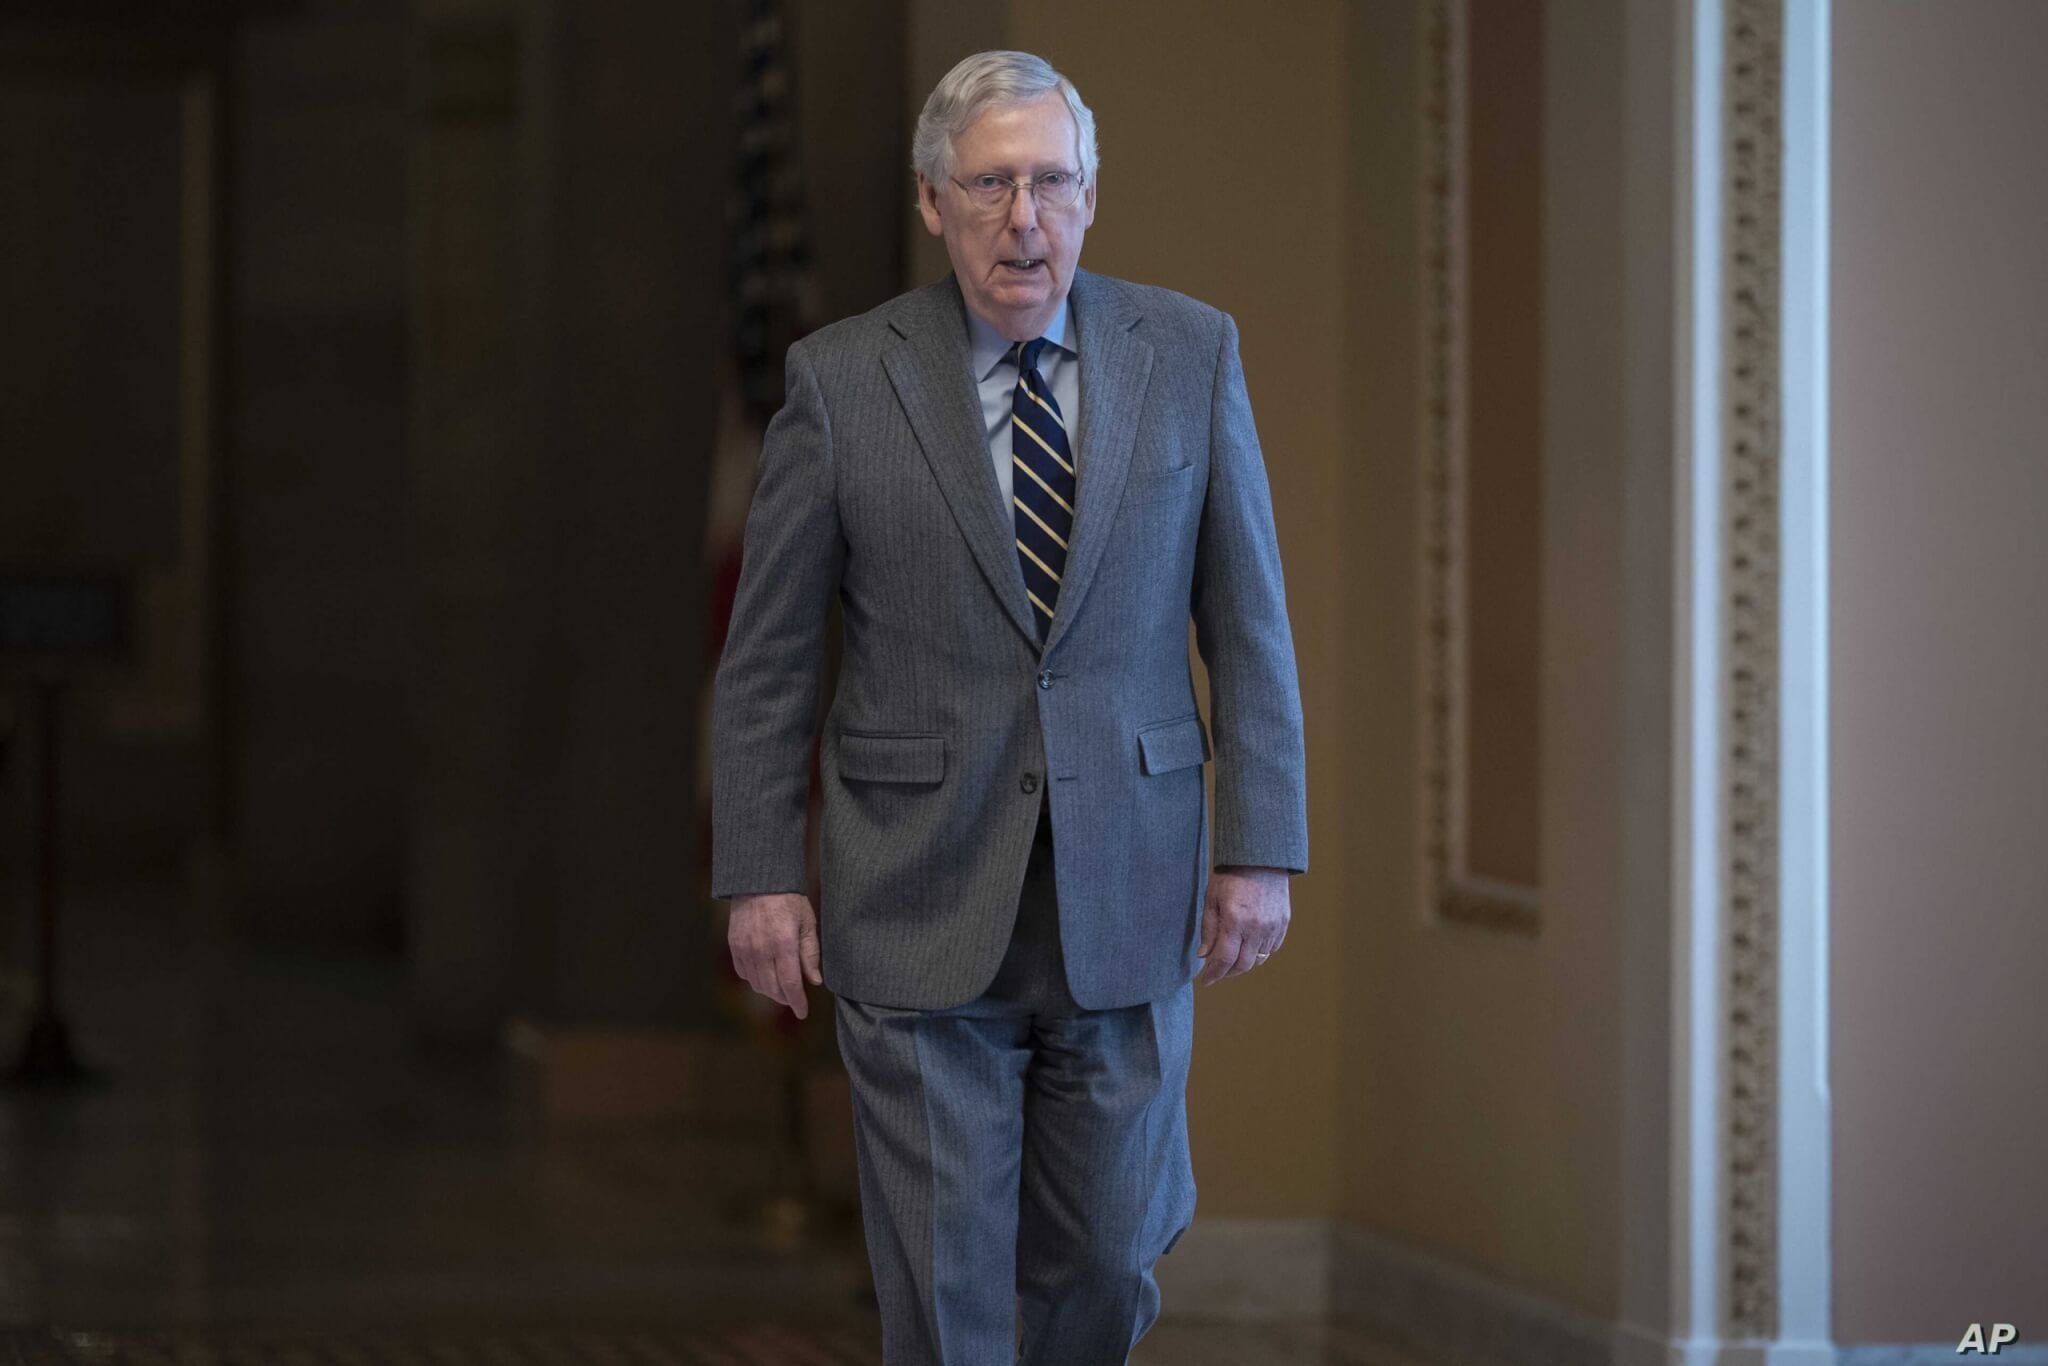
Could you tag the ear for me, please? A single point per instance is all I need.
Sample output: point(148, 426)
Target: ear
point(928, 206)
point(1088, 202)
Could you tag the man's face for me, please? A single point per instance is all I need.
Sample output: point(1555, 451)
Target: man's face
point(1021, 141)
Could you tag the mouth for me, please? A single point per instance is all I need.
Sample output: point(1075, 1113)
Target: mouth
point(1022, 265)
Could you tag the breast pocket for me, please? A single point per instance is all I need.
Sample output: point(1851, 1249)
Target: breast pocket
point(1154, 488)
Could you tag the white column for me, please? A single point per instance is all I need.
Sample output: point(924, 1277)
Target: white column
point(1734, 1247)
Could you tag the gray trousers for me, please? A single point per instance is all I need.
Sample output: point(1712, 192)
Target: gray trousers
point(1023, 1162)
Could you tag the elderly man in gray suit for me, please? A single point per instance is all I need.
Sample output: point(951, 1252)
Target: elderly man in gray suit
point(1019, 483)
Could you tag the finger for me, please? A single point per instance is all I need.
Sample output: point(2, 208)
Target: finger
point(749, 957)
point(747, 964)
point(761, 977)
point(1225, 956)
point(755, 959)
point(1209, 924)
point(807, 948)
point(786, 976)
point(1257, 947)
point(1276, 935)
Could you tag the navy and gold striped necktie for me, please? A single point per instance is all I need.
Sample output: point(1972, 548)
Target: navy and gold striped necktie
point(1043, 484)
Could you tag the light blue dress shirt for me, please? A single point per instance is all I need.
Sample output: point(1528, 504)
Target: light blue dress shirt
point(995, 373)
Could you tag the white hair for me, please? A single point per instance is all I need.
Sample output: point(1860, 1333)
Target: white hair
point(990, 78)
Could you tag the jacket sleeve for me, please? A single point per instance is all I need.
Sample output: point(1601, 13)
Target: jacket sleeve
point(765, 694)
point(1239, 603)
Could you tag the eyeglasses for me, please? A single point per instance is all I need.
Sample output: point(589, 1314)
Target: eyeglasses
point(990, 193)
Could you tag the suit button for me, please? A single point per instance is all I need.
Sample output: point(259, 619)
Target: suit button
point(1029, 782)
point(1045, 679)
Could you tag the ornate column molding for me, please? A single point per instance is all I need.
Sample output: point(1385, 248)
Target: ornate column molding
point(1451, 892)
point(1751, 133)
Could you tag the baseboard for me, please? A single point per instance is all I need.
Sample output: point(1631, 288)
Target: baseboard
point(1635, 1346)
point(1751, 1352)
point(1246, 1269)
point(1444, 1312)
point(1438, 1311)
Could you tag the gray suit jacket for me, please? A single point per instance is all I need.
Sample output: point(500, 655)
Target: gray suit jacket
point(875, 486)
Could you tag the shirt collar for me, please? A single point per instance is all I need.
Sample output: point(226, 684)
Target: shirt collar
point(990, 346)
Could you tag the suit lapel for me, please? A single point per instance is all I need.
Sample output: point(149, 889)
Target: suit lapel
point(1115, 370)
point(929, 365)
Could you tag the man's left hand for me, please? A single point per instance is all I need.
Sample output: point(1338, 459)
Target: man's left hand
point(1244, 918)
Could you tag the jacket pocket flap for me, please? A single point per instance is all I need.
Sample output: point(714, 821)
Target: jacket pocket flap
point(892, 758)
point(1173, 744)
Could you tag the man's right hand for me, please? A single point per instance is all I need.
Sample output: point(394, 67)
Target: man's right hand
point(774, 941)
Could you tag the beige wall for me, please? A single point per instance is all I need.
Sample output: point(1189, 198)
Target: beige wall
point(1939, 737)
point(1480, 1098)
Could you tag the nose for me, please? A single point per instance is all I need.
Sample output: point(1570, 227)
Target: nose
point(1023, 210)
